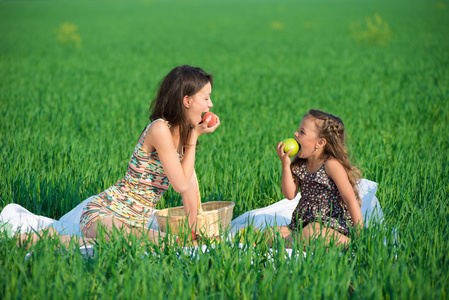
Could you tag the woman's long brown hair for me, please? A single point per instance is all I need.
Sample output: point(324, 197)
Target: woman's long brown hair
point(181, 81)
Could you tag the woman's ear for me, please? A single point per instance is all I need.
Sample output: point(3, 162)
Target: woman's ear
point(186, 101)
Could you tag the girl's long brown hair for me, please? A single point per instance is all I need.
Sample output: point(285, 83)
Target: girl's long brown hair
point(331, 129)
point(181, 81)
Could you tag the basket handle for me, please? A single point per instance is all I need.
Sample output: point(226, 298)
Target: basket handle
point(198, 199)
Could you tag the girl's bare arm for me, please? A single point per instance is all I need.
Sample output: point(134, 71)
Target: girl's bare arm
point(338, 174)
point(289, 187)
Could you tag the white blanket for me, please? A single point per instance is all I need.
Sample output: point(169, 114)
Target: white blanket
point(277, 214)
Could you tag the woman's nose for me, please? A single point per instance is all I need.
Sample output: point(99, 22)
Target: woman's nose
point(210, 103)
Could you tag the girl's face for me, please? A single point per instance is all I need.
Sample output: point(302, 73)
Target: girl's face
point(198, 104)
point(307, 137)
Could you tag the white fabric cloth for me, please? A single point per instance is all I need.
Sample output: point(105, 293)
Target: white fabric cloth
point(277, 214)
point(280, 213)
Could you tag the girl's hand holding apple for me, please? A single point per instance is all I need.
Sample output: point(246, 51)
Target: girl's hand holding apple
point(291, 144)
point(286, 149)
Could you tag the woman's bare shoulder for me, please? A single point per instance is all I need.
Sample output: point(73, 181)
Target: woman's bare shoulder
point(158, 134)
point(158, 127)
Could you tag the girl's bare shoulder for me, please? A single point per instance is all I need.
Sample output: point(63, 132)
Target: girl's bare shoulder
point(332, 166)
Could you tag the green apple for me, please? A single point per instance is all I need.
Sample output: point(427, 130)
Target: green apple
point(291, 144)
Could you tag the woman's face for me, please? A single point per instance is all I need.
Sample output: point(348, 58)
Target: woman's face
point(198, 104)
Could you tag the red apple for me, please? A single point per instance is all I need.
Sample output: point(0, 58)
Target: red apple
point(291, 144)
point(212, 121)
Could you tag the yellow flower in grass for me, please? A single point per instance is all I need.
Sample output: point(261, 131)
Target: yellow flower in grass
point(67, 34)
point(377, 31)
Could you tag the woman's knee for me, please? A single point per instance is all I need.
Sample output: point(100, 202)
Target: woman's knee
point(106, 224)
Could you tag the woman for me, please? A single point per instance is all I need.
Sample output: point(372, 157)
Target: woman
point(164, 154)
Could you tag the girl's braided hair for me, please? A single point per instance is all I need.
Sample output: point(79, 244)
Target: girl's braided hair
point(331, 129)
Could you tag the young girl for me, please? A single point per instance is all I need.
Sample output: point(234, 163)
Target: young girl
point(164, 155)
point(330, 203)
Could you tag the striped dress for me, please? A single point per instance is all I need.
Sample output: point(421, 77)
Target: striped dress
point(133, 198)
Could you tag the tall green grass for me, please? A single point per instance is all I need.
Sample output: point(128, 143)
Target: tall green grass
point(71, 113)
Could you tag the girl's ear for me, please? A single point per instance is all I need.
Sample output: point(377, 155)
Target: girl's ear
point(322, 142)
point(186, 101)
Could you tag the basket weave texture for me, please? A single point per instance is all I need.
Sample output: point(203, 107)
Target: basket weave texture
point(211, 217)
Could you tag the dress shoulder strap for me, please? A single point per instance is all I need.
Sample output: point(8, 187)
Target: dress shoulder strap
point(142, 136)
point(165, 121)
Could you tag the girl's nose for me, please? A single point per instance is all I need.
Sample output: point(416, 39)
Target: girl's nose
point(210, 103)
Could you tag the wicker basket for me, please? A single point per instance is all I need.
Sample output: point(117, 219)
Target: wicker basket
point(211, 217)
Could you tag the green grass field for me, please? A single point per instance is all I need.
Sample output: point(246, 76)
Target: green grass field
point(76, 81)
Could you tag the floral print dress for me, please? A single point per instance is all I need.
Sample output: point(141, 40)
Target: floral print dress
point(320, 202)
